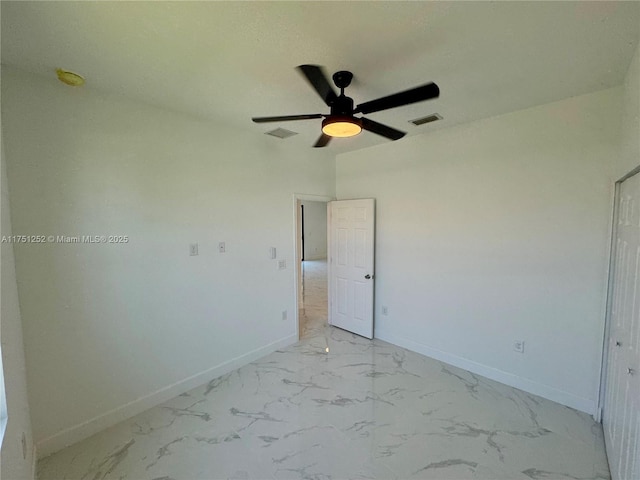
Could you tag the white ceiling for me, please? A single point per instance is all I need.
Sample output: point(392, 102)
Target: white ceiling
point(230, 61)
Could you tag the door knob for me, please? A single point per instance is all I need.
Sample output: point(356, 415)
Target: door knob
point(618, 343)
point(367, 276)
point(630, 371)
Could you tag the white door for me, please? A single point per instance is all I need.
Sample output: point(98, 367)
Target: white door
point(621, 415)
point(351, 244)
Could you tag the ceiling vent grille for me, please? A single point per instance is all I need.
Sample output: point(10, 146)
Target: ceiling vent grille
point(428, 119)
point(281, 133)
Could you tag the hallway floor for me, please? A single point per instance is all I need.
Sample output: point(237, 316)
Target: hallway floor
point(337, 406)
point(313, 314)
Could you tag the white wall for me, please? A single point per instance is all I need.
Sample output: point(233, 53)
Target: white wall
point(498, 231)
point(15, 464)
point(112, 329)
point(630, 151)
point(315, 230)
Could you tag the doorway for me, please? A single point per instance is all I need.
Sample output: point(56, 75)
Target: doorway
point(311, 263)
point(313, 312)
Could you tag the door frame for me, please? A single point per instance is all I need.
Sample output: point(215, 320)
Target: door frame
point(606, 334)
point(297, 248)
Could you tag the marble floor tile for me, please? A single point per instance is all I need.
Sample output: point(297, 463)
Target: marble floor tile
point(338, 406)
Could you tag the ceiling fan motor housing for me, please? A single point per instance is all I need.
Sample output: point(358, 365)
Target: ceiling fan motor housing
point(342, 105)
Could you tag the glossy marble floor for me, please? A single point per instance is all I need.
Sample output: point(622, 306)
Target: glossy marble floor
point(337, 406)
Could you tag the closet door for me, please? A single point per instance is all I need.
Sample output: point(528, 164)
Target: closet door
point(621, 415)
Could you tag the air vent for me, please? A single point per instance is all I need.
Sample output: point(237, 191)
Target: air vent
point(281, 133)
point(428, 119)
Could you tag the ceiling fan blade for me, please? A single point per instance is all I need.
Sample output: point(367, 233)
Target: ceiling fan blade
point(318, 80)
point(322, 141)
point(380, 129)
point(418, 94)
point(286, 118)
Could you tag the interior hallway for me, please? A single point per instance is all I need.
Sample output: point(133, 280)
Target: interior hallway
point(313, 312)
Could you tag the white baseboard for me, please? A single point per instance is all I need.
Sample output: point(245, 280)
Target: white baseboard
point(550, 393)
point(74, 434)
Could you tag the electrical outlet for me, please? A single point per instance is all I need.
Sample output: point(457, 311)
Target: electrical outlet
point(222, 247)
point(282, 264)
point(518, 346)
point(284, 314)
point(193, 249)
point(385, 310)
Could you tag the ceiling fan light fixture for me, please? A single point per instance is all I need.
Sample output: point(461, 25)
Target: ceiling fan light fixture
point(341, 126)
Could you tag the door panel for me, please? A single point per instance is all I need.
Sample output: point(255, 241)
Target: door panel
point(342, 288)
point(361, 298)
point(351, 234)
point(360, 247)
point(621, 415)
point(342, 247)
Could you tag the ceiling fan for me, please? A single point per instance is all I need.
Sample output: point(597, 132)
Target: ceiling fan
point(341, 122)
